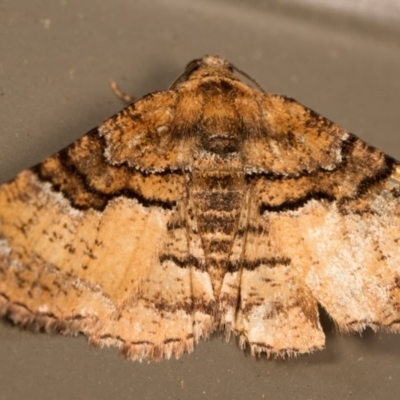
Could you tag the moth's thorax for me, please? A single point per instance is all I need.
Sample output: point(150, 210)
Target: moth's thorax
point(211, 112)
point(219, 130)
point(224, 145)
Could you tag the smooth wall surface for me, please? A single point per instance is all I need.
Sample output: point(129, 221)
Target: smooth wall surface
point(56, 60)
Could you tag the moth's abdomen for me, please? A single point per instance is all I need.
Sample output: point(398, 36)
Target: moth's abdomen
point(217, 199)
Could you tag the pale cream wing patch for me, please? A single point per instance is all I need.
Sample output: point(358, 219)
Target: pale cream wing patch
point(359, 282)
point(348, 263)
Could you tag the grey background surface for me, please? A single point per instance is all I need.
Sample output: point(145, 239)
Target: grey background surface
point(56, 60)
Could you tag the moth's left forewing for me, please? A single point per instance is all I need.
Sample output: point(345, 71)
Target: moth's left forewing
point(83, 237)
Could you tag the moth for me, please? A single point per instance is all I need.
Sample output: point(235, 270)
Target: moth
point(210, 206)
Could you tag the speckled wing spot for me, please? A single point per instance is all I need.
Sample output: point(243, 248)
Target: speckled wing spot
point(212, 205)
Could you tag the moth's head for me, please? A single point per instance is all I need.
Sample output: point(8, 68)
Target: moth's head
point(209, 62)
point(211, 66)
point(204, 67)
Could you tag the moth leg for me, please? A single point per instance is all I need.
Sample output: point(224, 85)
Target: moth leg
point(127, 98)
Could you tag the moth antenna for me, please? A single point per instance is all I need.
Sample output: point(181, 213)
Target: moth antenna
point(184, 75)
point(250, 78)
